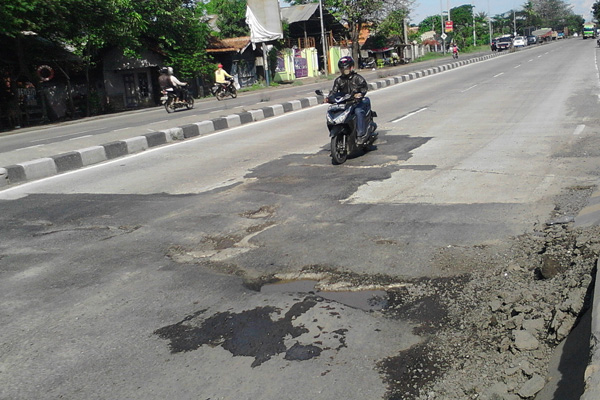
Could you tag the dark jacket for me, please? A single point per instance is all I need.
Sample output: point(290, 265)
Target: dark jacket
point(164, 81)
point(351, 84)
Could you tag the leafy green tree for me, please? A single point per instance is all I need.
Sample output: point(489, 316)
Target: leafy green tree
point(87, 27)
point(552, 12)
point(431, 23)
point(392, 27)
point(462, 17)
point(232, 17)
point(357, 14)
point(596, 10)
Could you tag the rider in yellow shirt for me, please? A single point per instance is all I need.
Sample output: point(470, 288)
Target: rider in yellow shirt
point(221, 74)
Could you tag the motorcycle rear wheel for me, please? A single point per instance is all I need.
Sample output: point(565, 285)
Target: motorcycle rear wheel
point(220, 95)
point(339, 149)
point(233, 92)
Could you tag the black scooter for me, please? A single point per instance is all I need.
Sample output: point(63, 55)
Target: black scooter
point(222, 90)
point(341, 123)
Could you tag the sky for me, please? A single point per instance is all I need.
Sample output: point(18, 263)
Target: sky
point(426, 8)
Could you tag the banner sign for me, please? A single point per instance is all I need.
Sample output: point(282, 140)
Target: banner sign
point(449, 26)
point(264, 19)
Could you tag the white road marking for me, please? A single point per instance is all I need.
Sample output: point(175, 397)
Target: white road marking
point(409, 115)
point(501, 73)
point(467, 89)
point(30, 147)
point(80, 137)
point(579, 130)
point(517, 66)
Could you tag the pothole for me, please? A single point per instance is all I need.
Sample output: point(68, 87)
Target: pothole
point(367, 300)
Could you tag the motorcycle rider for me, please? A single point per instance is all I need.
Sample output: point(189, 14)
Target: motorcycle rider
point(169, 83)
point(221, 76)
point(455, 50)
point(350, 82)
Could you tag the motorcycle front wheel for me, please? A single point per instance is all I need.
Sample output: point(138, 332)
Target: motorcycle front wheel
point(170, 105)
point(339, 149)
point(190, 102)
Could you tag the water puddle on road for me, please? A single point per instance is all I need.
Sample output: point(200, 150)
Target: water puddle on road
point(367, 300)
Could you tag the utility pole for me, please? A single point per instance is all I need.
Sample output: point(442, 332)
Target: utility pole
point(490, 22)
point(443, 30)
point(474, 34)
point(325, 66)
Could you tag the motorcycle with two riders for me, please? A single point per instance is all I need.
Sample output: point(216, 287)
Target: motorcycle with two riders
point(175, 94)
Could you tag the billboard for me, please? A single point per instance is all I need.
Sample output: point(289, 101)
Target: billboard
point(264, 19)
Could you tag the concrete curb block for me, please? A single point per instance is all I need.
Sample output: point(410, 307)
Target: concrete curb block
point(92, 155)
point(45, 167)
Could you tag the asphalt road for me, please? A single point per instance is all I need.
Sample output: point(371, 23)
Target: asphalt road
point(133, 278)
point(35, 142)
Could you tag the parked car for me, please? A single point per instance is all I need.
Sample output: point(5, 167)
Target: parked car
point(519, 41)
point(531, 39)
point(504, 43)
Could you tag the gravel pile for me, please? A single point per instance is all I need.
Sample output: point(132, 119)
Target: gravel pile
point(490, 332)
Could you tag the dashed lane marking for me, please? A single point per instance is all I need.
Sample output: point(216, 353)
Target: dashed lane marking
point(409, 115)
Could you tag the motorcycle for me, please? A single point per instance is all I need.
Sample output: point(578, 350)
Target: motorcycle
point(172, 102)
point(222, 90)
point(341, 123)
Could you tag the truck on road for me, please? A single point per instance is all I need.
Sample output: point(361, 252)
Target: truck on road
point(589, 30)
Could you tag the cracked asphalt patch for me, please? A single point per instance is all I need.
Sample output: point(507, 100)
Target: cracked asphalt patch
point(289, 216)
point(251, 333)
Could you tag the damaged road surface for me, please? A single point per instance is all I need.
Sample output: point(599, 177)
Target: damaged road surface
point(444, 263)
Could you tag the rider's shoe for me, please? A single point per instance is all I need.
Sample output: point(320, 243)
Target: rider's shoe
point(362, 139)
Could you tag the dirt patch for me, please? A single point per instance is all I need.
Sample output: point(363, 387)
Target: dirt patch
point(490, 333)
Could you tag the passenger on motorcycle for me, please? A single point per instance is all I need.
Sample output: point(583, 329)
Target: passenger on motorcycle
point(221, 76)
point(169, 83)
point(350, 82)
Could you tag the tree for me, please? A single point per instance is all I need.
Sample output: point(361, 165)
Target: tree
point(462, 17)
point(392, 27)
point(87, 27)
point(596, 11)
point(357, 14)
point(232, 17)
point(552, 12)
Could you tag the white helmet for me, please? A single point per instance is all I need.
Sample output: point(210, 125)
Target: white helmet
point(170, 70)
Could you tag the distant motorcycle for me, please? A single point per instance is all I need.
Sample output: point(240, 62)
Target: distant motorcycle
point(171, 102)
point(341, 122)
point(222, 90)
